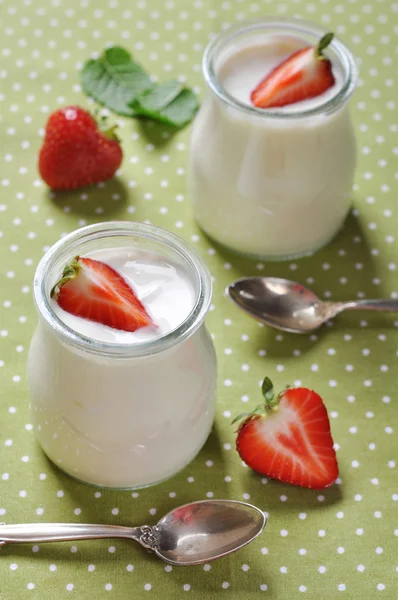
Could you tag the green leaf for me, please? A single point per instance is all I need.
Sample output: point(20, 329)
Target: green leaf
point(323, 43)
point(115, 80)
point(259, 410)
point(175, 110)
point(70, 271)
point(159, 96)
point(267, 389)
point(240, 416)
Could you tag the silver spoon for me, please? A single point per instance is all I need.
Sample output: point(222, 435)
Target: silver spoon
point(289, 306)
point(188, 535)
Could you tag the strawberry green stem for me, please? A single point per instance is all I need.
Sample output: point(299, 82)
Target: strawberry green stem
point(271, 402)
point(267, 388)
point(323, 43)
point(70, 272)
point(110, 133)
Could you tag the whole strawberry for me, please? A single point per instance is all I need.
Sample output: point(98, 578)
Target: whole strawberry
point(288, 438)
point(75, 152)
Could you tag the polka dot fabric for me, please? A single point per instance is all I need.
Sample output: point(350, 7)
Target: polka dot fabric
point(341, 542)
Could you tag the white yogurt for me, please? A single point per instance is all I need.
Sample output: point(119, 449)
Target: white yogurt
point(269, 183)
point(112, 410)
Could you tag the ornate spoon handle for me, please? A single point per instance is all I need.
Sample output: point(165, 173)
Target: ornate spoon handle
point(62, 532)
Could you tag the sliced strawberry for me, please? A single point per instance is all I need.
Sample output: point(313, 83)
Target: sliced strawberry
point(289, 438)
point(305, 74)
point(93, 290)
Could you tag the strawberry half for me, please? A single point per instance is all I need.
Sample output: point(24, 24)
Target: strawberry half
point(76, 152)
point(288, 438)
point(93, 290)
point(305, 74)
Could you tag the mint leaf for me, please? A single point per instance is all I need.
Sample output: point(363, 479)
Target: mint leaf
point(122, 85)
point(115, 80)
point(159, 96)
point(164, 103)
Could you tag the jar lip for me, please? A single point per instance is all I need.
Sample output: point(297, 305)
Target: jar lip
point(291, 26)
point(124, 229)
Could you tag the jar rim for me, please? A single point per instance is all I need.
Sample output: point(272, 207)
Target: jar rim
point(290, 26)
point(124, 229)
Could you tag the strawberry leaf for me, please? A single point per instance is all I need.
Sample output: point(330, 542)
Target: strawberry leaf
point(259, 410)
point(323, 43)
point(115, 80)
point(167, 103)
point(70, 271)
point(240, 416)
point(267, 389)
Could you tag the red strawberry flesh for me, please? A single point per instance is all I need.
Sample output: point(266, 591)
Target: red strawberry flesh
point(303, 75)
point(93, 290)
point(292, 442)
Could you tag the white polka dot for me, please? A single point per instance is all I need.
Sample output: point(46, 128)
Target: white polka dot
point(284, 532)
point(381, 586)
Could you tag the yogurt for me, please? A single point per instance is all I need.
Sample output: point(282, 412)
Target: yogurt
point(122, 409)
point(272, 183)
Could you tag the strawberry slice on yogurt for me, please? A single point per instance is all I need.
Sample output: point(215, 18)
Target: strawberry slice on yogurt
point(93, 290)
point(305, 74)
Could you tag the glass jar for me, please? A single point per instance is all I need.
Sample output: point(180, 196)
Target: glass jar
point(272, 184)
point(121, 415)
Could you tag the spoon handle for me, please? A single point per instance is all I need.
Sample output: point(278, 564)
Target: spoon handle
point(62, 532)
point(376, 305)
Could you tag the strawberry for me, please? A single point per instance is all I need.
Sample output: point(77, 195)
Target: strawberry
point(305, 74)
point(289, 438)
point(93, 290)
point(75, 152)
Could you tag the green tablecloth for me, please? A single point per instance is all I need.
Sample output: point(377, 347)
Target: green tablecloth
point(338, 543)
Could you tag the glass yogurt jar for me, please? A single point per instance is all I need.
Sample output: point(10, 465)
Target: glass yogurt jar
point(271, 183)
point(115, 408)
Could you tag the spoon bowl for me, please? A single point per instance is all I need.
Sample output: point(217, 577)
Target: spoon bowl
point(289, 306)
point(203, 531)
